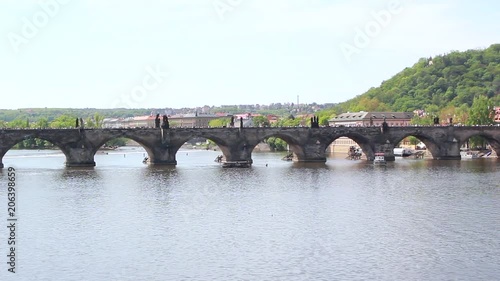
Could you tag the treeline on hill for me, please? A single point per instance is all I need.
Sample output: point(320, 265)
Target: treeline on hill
point(443, 86)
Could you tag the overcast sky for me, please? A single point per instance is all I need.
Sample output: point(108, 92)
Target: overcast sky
point(188, 53)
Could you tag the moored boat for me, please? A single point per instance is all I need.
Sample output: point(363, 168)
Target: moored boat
point(354, 153)
point(379, 159)
point(288, 157)
point(469, 154)
point(402, 152)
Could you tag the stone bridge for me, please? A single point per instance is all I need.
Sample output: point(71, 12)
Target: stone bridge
point(307, 144)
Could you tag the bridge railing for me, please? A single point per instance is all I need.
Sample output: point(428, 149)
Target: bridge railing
point(235, 127)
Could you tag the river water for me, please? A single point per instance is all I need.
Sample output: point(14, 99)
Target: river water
point(343, 220)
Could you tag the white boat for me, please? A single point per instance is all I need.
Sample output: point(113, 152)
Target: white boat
point(379, 159)
point(354, 153)
point(469, 154)
point(402, 152)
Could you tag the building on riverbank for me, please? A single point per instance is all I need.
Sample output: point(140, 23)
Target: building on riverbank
point(148, 121)
point(129, 122)
point(367, 119)
point(191, 120)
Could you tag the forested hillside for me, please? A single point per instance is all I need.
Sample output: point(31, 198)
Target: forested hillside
point(446, 82)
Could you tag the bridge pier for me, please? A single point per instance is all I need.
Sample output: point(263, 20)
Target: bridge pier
point(448, 150)
point(313, 152)
point(3, 150)
point(78, 157)
point(163, 155)
point(388, 149)
point(238, 155)
point(382, 145)
point(390, 158)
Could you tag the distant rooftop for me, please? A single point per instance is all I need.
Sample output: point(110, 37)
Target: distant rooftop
point(192, 115)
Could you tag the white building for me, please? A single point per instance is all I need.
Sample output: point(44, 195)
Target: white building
point(366, 119)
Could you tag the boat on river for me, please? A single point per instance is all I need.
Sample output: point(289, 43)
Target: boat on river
point(354, 153)
point(469, 154)
point(379, 159)
point(402, 152)
point(288, 157)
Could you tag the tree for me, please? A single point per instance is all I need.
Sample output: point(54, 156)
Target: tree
point(18, 123)
point(276, 144)
point(220, 122)
point(42, 123)
point(326, 115)
point(324, 120)
point(368, 104)
point(260, 121)
point(98, 120)
point(422, 121)
point(290, 121)
point(89, 123)
point(42, 143)
point(413, 140)
point(481, 111)
point(117, 142)
point(63, 121)
point(432, 110)
point(461, 114)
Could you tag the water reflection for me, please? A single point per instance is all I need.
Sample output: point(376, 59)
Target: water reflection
point(165, 171)
point(83, 173)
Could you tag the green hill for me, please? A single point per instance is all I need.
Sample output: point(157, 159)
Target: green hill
point(442, 83)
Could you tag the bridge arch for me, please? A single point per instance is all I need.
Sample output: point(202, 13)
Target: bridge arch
point(430, 144)
point(294, 144)
point(7, 145)
point(362, 141)
point(135, 138)
point(218, 140)
point(490, 138)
